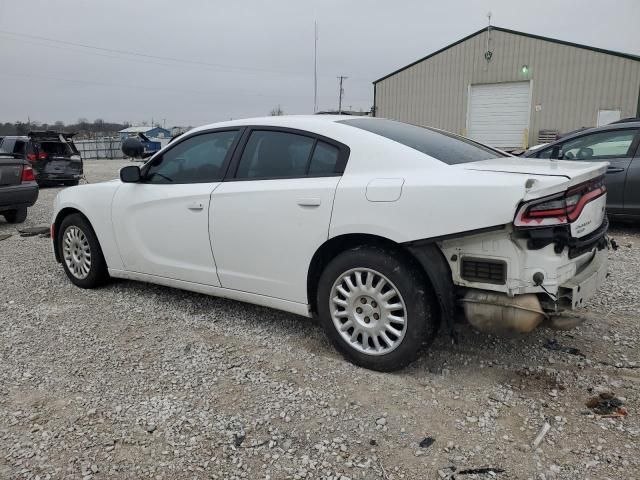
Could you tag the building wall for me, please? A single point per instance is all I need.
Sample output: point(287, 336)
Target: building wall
point(569, 84)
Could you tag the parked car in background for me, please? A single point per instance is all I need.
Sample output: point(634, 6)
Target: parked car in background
point(53, 156)
point(617, 143)
point(18, 188)
point(376, 227)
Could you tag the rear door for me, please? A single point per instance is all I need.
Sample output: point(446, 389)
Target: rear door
point(271, 216)
point(614, 146)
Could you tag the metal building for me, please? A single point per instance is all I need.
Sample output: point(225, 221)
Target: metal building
point(507, 88)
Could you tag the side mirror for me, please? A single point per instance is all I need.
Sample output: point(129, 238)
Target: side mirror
point(132, 147)
point(130, 174)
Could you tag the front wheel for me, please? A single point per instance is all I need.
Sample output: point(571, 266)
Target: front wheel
point(80, 252)
point(375, 307)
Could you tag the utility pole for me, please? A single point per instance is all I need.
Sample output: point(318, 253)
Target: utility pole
point(315, 67)
point(341, 78)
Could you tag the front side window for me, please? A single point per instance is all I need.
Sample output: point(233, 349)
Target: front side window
point(603, 145)
point(270, 154)
point(198, 159)
point(597, 146)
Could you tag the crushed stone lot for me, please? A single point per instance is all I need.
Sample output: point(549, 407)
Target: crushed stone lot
point(141, 381)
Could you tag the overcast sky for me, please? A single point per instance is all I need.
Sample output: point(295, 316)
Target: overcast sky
point(242, 58)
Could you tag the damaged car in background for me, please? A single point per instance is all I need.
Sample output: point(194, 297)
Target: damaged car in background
point(53, 156)
point(380, 229)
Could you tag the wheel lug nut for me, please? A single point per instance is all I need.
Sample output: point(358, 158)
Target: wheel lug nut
point(374, 304)
point(358, 310)
point(363, 300)
point(366, 319)
point(376, 316)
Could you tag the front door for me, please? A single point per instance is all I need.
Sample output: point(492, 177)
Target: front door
point(613, 146)
point(161, 224)
point(271, 217)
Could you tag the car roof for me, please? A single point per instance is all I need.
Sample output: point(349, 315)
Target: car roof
point(290, 121)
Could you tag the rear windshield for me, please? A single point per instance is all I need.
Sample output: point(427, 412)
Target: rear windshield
point(56, 148)
point(448, 148)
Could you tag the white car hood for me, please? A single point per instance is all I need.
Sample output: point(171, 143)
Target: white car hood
point(576, 172)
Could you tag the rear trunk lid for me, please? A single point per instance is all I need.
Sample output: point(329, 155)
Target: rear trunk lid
point(575, 172)
point(10, 170)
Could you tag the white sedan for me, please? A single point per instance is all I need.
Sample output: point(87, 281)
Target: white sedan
point(380, 229)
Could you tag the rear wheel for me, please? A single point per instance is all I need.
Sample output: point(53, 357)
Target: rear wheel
point(16, 216)
point(374, 306)
point(80, 252)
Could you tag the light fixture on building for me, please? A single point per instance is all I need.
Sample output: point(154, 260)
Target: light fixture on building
point(524, 69)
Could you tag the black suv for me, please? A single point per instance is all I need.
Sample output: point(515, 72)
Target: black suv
point(53, 156)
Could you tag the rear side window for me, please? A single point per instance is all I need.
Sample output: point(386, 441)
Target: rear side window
point(324, 159)
point(270, 154)
point(448, 148)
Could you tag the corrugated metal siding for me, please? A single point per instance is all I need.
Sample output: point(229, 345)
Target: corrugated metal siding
point(570, 84)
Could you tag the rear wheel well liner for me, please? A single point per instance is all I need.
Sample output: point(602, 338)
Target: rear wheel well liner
point(427, 257)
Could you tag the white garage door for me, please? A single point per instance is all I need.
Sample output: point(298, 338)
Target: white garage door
point(499, 113)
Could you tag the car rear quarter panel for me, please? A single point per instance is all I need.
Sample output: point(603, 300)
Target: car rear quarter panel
point(94, 202)
point(433, 202)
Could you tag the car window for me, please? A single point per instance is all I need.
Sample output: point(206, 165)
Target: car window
point(54, 148)
point(324, 159)
point(443, 146)
point(19, 147)
point(270, 154)
point(597, 146)
point(198, 159)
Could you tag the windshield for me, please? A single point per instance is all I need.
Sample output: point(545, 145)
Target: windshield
point(446, 147)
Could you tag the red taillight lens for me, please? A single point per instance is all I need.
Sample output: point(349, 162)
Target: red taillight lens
point(42, 156)
point(27, 174)
point(562, 208)
point(31, 157)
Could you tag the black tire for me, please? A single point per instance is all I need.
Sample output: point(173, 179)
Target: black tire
point(97, 272)
point(71, 183)
point(421, 322)
point(16, 216)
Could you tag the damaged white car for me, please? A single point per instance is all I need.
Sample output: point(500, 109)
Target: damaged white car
point(380, 229)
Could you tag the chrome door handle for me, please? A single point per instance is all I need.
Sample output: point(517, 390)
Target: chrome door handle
point(615, 169)
point(195, 206)
point(309, 202)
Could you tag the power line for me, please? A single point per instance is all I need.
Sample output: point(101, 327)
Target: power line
point(151, 87)
point(130, 53)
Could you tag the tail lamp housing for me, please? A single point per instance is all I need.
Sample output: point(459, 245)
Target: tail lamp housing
point(559, 209)
point(27, 174)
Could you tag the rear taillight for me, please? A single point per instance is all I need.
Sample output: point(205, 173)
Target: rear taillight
point(562, 208)
point(31, 157)
point(42, 156)
point(27, 174)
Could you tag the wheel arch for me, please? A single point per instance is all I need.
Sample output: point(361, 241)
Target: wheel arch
point(62, 214)
point(426, 256)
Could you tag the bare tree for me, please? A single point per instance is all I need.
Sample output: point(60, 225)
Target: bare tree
point(277, 111)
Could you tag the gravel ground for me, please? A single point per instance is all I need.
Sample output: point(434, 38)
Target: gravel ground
point(140, 381)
